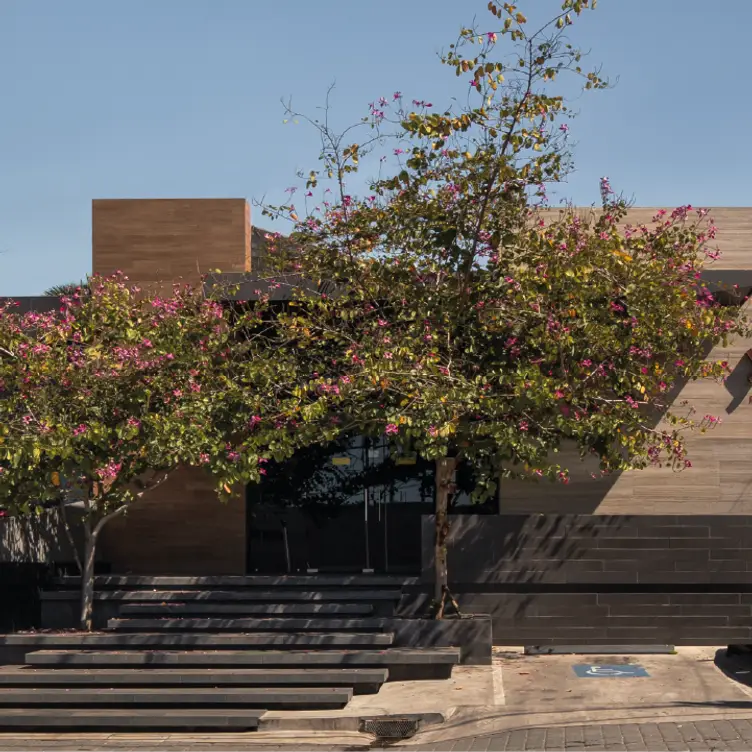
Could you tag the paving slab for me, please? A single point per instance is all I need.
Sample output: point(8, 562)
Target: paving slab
point(161, 640)
point(162, 718)
point(121, 698)
point(263, 596)
point(292, 609)
point(362, 680)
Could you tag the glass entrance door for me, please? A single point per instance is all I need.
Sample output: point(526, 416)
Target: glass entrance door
point(348, 507)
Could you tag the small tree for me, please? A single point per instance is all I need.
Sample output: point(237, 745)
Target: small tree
point(106, 398)
point(67, 288)
point(476, 324)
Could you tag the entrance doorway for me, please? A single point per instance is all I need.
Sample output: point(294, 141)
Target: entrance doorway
point(351, 506)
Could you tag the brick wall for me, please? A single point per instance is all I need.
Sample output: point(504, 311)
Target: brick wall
point(169, 240)
point(179, 528)
point(600, 579)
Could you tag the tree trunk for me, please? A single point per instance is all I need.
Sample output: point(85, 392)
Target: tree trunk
point(445, 468)
point(91, 535)
point(87, 575)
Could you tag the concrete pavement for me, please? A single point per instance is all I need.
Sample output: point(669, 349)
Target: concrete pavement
point(705, 736)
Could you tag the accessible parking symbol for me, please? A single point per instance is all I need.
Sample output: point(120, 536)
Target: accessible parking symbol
point(614, 671)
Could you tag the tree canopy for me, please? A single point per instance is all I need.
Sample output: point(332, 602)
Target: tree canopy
point(104, 399)
point(482, 323)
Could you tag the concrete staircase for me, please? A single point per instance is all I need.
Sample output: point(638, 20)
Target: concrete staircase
point(210, 653)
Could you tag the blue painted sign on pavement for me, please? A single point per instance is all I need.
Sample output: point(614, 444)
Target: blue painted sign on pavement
point(620, 671)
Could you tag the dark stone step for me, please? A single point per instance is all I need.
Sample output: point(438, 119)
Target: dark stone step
point(403, 663)
point(153, 719)
point(162, 641)
point(308, 582)
point(361, 680)
point(372, 625)
point(259, 596)
point(250, 609)
point(263, 698)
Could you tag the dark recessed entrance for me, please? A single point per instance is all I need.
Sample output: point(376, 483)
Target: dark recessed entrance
point(351, 506)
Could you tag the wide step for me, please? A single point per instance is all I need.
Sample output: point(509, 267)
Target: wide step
point(361, 680)
point(403, 663)
point(161, 640)
point(306, 582)
point(248, 625)
point(263, 596)
point(267, 698)
point(154, 719)
point(250, 609)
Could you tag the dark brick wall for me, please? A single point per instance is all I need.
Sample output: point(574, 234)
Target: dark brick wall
point(564, 579)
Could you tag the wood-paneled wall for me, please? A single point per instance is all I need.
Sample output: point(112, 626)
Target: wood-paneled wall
point(719, 481)
point(170, 240)
point(179, 528)
point(734, 236)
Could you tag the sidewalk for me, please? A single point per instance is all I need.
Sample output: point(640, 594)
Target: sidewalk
point(705, 736)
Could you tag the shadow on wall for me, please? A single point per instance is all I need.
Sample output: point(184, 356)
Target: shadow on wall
point(587, 490)
point(34, 539)
point(738, 383)
point(527, 553)
point(31, 551)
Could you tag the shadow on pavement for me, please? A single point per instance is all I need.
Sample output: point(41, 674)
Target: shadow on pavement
point(737, 666)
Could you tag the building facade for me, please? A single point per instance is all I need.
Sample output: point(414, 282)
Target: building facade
point(651, 556)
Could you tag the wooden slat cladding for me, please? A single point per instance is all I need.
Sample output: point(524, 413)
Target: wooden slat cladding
point(734, 236)
point(179, 528)
point(161, 241)
point(719, 481)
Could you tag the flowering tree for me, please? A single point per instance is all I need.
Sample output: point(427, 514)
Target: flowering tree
point(105, 398)
point(472, 322)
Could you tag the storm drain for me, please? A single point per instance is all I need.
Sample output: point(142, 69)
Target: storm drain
point(390, 727)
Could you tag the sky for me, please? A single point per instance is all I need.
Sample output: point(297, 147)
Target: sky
point(181, 99)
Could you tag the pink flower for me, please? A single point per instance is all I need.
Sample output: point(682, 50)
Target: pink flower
point(146, 343)
point(233, 456)
point(391, 429)
point(524, 425)
point(491, 37)
point(79, 429)
point(559, 394)
point(433, 431)
point(109, 471)
point(254, 421)
point(388, 355)
point(382, 322)
point(203, 458)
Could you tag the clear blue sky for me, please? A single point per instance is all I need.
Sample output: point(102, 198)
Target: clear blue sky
point(180, 98)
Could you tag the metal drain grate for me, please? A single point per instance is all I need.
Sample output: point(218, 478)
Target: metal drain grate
point(390, 728)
